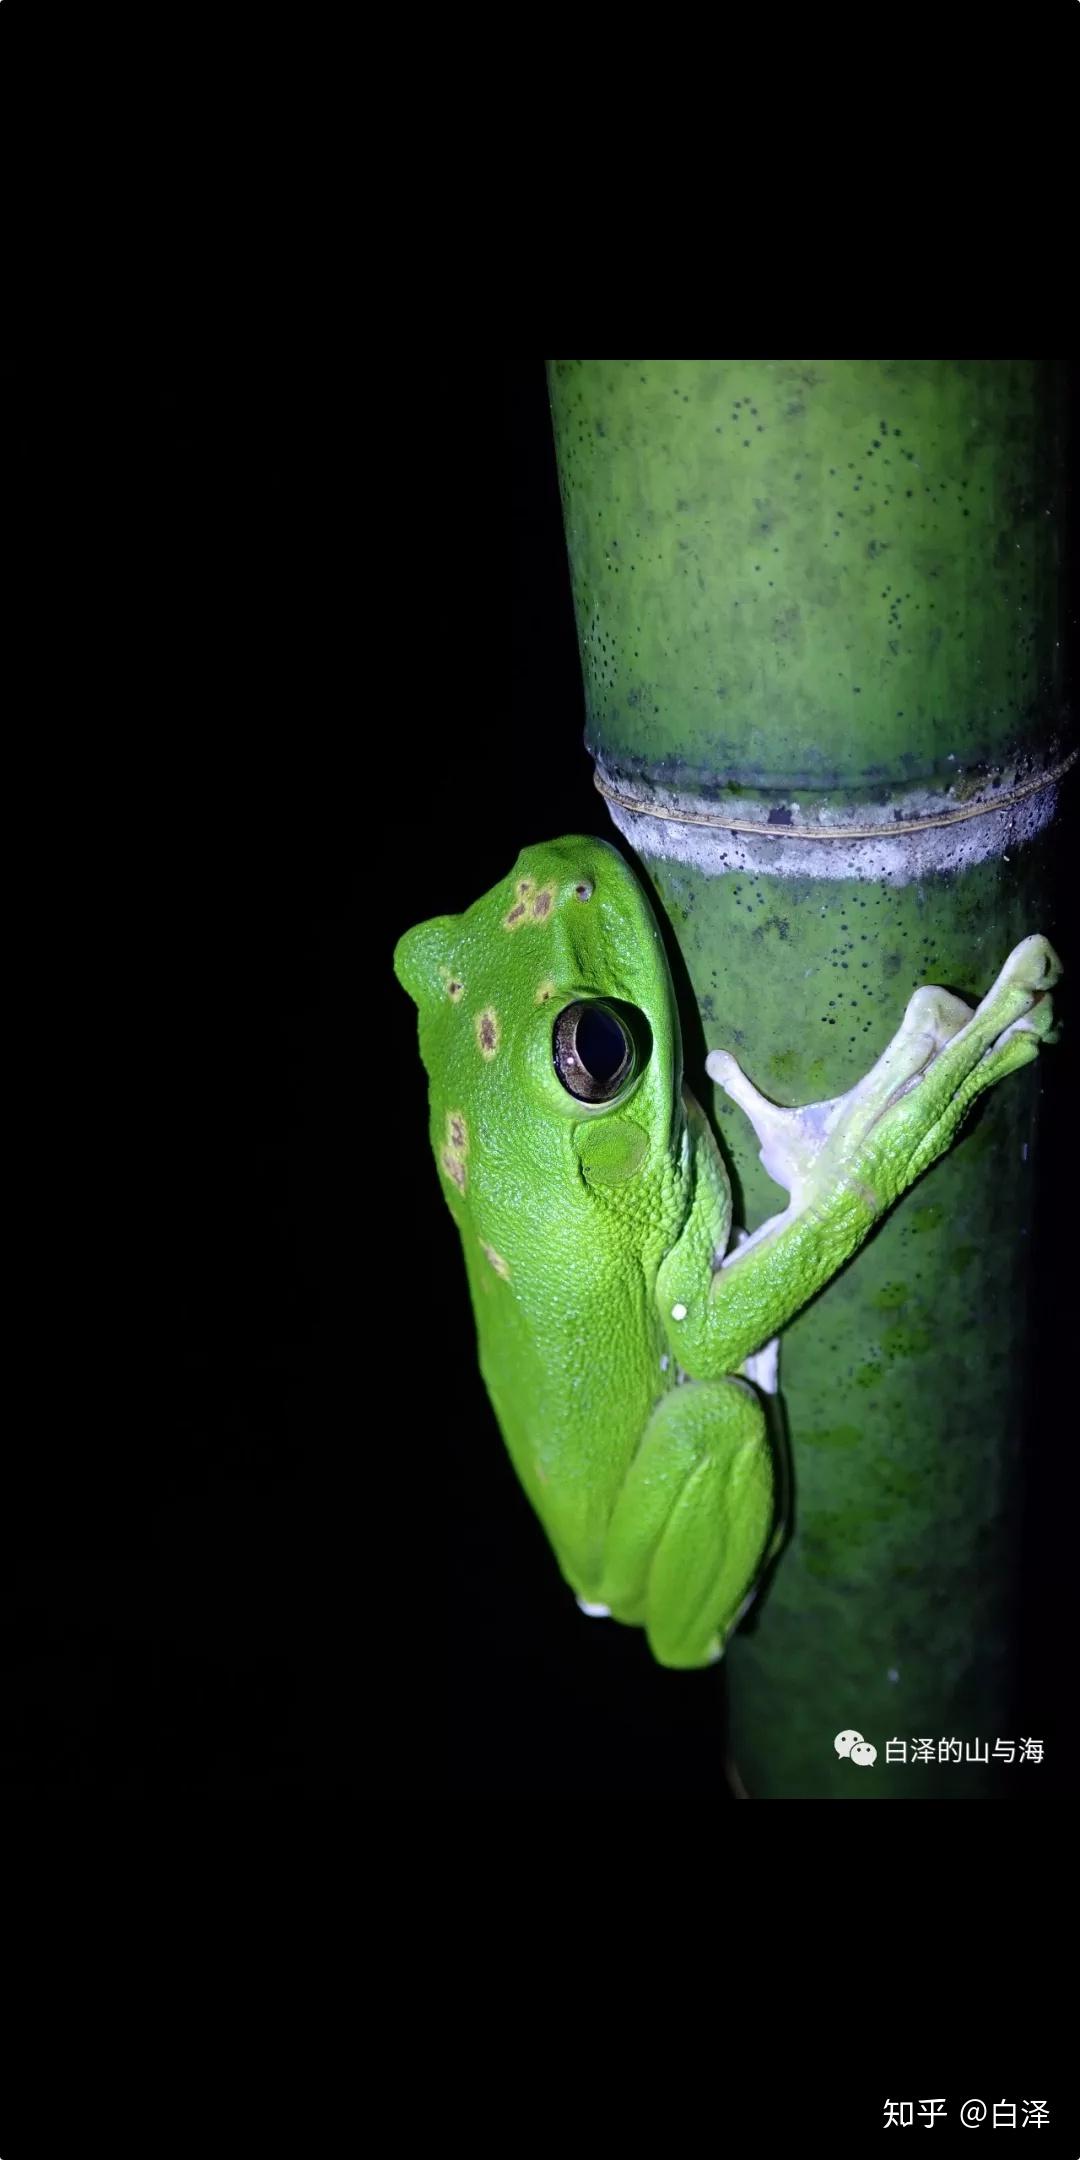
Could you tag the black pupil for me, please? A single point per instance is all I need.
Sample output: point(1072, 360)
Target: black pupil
point(600, 1043)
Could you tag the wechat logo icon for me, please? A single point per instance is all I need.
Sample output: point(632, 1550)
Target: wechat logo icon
point(858, 1750)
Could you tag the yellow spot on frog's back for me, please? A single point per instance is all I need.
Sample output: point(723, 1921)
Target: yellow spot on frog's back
point(533, 904)
point(487, 1031)
point(457, 1132)
point(546, 991)
point(518, 913)
point(454, 985)
point(454, 1167)
point(495, 1260)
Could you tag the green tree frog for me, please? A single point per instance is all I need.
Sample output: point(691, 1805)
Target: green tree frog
point(616, 1329)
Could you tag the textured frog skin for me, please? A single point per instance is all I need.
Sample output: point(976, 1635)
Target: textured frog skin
point(564, 1218)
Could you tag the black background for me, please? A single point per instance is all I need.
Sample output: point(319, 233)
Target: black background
point(254, 1484)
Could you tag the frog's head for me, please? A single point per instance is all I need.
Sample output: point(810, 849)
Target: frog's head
point(548, 1024)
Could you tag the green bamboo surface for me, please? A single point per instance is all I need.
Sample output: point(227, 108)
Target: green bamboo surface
point(804, 591)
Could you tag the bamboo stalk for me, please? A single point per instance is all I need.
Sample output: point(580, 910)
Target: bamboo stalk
point(818, 608)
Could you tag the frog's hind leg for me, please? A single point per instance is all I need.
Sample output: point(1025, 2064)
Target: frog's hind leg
point(691, 1525)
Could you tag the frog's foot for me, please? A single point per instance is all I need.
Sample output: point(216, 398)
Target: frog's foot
point(893, 1123)
point(593, 1612)
point(691, 1525)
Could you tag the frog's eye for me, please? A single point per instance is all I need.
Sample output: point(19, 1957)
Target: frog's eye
point(594, 1050)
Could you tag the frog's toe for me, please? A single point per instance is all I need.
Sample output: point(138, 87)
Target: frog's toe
point(1034, 964)
point(594, 1612)
point(934, 1016)
point(721, 1065)
point(1038, 1021)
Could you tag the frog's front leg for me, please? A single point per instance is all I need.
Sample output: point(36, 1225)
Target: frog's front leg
point(692, 1521)
point(846, 1161)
